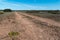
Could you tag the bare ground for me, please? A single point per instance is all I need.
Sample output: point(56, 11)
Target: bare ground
point(30, 27)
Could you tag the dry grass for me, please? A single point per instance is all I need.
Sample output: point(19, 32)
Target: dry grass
point(55, 17)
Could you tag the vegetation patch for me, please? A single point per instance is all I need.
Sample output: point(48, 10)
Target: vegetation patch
point(7, 10)
point(11, 34)
point(1, 13)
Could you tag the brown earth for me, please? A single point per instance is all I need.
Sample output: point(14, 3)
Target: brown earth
point(30, 27)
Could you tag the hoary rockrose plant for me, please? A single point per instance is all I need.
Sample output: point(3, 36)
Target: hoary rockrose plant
point(13, 35)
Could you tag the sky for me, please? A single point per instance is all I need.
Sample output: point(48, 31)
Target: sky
point(30, 4)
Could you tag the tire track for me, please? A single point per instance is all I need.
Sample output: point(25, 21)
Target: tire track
point(45, 20)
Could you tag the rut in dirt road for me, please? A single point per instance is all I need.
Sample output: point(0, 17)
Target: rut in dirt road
point(45, 20)
point(28, 29)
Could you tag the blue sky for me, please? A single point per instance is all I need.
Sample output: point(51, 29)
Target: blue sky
point(30, 4)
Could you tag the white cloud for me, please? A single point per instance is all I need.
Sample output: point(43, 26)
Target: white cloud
point(21, 6)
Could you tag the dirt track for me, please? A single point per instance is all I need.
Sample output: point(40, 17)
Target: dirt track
point(30, 27)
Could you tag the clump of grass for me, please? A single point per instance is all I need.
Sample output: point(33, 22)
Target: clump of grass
point(13, 33)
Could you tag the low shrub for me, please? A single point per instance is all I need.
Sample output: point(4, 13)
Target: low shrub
point(11, 34)
point(1, 13)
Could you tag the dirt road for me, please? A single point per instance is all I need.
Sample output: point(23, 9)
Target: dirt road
point(31, 27)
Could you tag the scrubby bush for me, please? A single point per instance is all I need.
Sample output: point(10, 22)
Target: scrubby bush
point(54, 12)
point(1, 13)
point(7, 10)
point(33, 11)
point(12, 35)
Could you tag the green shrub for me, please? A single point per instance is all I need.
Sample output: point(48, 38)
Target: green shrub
point(7, 10)
point(11, 34)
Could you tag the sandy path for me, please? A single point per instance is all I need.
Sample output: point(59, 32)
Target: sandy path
point(27, 26)
point(46, 20)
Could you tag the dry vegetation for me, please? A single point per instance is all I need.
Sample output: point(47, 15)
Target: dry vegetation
point(1, 13)
point(50, 15)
